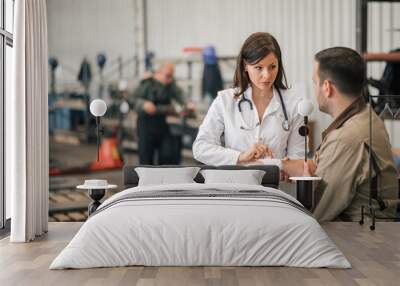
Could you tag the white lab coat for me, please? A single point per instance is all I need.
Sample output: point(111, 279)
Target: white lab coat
point(223, 124)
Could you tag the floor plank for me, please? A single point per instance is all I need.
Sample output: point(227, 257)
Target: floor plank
point(375, 257)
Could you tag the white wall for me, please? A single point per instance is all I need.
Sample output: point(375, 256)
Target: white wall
point(79, 28)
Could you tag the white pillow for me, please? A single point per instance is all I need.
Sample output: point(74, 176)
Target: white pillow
point(166, 176)
point(248, 177)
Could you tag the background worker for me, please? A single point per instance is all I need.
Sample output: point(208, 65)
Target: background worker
point(154, 99)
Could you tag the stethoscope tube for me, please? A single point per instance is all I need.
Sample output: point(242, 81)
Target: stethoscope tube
point(285, 123)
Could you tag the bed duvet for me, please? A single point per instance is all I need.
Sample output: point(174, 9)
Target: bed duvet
point(201, 225)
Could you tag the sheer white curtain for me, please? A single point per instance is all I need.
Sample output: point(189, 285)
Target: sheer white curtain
point(27, 124)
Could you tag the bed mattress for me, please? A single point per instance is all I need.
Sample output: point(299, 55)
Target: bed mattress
point(201, 225)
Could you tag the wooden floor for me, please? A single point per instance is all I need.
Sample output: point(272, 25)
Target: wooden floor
point(375, 257)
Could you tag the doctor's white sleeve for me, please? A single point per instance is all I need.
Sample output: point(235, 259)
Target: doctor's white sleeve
point(295, 144)
point(207, 147)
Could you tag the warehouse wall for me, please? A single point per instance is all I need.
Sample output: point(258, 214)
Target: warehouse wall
point(302, 27)
point(84, 28)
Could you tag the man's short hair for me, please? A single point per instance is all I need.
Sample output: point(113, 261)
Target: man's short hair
point(344, 67)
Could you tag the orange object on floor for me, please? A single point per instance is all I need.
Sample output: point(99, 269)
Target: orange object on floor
point(109, 157)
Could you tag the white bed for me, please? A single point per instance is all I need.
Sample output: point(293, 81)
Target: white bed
point(224, 225)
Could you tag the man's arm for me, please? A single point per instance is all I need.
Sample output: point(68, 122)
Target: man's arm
point(177, 93)
point(142, 101)
point(140, 96)
point(338, 167)
point(298, 168)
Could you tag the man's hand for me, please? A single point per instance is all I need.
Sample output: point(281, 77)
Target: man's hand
point(149, 107)
point(308, 168)
point(189, 110)
point(298, 168)
point(256, 151)
point(190, 106)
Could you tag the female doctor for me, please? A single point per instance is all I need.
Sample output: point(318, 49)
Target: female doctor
point(256, 122)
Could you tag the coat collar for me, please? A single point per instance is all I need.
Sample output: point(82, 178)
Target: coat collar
point(357, 106)
point(273, 106)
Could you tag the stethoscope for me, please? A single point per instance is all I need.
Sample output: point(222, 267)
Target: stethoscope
point(285, 123)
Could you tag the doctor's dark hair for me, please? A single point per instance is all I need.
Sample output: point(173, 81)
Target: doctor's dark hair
point(256, 47)
point(344, 67)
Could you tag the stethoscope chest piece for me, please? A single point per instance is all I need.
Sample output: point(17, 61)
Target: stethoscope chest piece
point(285, 125)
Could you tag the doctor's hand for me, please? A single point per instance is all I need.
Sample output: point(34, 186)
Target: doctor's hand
point(284, 176)
point(256, 151)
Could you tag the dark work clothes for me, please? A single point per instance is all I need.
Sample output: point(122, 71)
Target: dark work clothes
point(212, 80)
point(85, 73)
point(153, 130)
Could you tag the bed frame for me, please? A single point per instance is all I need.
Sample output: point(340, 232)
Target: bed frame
point(270, 179)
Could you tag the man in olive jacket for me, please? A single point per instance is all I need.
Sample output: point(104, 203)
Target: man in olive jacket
point(342, 160)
